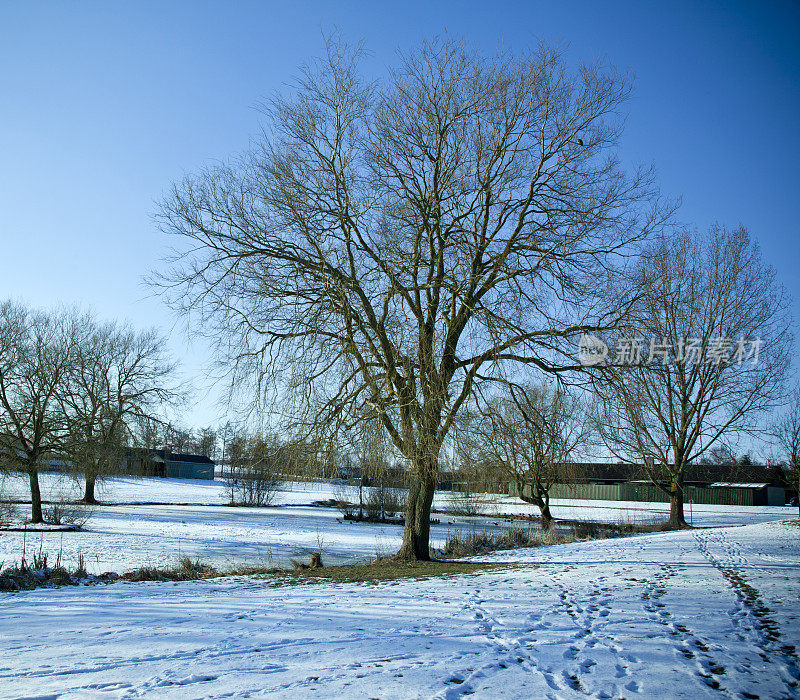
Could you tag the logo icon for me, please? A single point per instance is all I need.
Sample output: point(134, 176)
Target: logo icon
point(591, 351)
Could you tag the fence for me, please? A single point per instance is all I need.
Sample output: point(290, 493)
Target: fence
point(718, 495)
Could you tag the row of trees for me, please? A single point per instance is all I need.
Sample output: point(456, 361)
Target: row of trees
point(410, 250)
point(157, 433)
point(75, 389)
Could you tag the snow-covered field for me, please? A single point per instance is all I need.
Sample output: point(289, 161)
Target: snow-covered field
point(704, 613)
point(130, 534)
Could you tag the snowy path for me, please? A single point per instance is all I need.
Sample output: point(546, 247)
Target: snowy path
point(707, 613)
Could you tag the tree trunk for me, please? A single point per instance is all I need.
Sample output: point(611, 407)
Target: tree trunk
point(36, 496)
point(88, 493)
point(676, 519)
point(539, 498)
point(547, 518)
point(544, 505)
point(416, 537)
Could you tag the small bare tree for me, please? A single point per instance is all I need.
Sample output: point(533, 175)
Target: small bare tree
point(371, 458)
point(532, 434)
point(391, 246)
point(253, 476)
point(206, 442)
point(705, 355)
point(787, 435)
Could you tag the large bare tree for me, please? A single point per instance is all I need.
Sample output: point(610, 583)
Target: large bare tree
point(389, 246)
point(118, 375)
point(703, 358)
point(533, 435)
point(37, 350)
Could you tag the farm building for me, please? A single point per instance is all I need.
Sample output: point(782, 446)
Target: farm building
point(750, 485)
point(169, 465)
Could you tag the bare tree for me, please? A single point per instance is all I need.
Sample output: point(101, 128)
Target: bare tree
point(387, 247)
point(178, 439)
point(37, 351)
point(467, 467)
point(118, 375)
point(371, 456)
point(532, 434)
point(787, 434)
point(206, 442)
point(148, 432)
point(253, 476)
point(705, 355)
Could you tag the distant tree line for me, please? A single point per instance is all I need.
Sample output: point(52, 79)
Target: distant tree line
point(76, 391)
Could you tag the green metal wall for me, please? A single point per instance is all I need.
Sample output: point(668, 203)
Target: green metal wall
point(189, 470)
point(722, 496)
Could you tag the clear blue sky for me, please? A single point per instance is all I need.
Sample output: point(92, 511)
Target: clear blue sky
point(104, 104)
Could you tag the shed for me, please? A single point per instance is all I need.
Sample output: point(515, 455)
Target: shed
point(171, 465)
point(762, 494)
point(187, 466)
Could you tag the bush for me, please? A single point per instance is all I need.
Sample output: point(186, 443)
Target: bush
point(253, 484)
point(342, 493)
point(464, 503)
point(460, 545)
point(29, 575)
point(188, 569)
point(8, 514)
point(384, 502)
point(8, 511)
point(64, 513)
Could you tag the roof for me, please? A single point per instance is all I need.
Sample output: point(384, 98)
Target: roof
point(167, 456)
point(723, 484)
point(179, 457)
point(695, 473)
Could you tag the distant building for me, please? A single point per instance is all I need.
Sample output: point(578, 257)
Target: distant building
point(734, 485)
point(168, 465)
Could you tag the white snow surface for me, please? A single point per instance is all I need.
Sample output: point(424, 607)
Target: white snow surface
point(690, 614)
point(155, 521)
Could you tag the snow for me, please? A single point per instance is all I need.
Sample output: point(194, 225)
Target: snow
point(149, 525)
point(668, 614)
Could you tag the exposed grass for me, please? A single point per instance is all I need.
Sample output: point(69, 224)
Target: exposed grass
point(186, 570)
point(29, 576)
point(474, 542)
point(464, 545)
point(371, 572)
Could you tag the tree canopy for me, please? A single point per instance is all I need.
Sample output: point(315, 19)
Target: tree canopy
point(386, 248)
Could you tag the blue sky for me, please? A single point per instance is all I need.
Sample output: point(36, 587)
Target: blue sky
point(103, 105)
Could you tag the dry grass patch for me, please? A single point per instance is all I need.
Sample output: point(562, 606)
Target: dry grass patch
point(387, 570)
point(371, 572)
